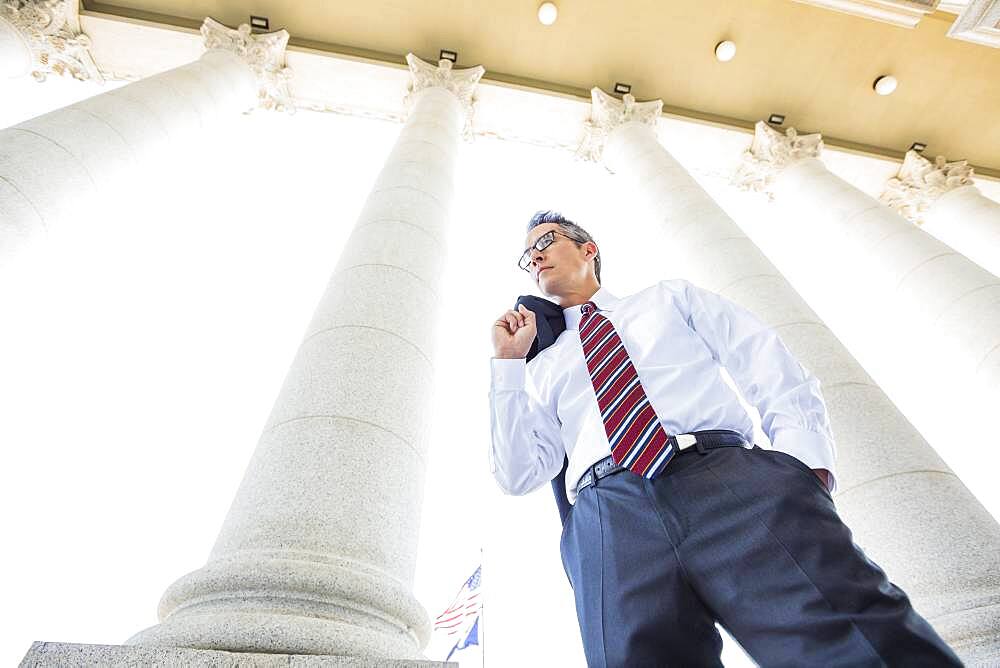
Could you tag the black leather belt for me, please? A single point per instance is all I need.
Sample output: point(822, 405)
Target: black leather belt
point(700, 440)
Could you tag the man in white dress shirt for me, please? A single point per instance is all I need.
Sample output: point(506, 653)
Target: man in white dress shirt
point(679, 521)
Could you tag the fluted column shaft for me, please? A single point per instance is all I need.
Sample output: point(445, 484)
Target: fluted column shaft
point(71, 164)
point(897, 495)
point(317, 553)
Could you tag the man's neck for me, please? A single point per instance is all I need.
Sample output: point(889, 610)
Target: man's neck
point(577, 297)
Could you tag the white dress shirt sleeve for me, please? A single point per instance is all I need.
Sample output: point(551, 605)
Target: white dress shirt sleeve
point(527, 449)
point(793, 413)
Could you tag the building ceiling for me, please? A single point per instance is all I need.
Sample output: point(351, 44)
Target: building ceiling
point(814, 66)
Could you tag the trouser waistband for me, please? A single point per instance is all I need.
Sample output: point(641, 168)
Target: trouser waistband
point(706, 439)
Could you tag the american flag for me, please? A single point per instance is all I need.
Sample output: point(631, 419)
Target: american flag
point(464, 611)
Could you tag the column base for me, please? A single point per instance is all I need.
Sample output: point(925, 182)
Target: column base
point(74, 655)
point(264, 632)
point(284, 602)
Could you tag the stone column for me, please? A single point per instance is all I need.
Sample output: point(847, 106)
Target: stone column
point(43, 37)
point(898, 496)
point(942, 198)
point(70, 165)
point(938, 295)
point(317, 553)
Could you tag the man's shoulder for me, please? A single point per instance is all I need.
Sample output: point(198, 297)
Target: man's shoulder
point(671, 287)
point(674, 284)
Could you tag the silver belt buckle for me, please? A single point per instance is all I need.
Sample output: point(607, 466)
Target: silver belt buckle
point(685, 440)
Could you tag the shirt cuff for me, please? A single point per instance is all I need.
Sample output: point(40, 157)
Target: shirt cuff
point(811, 448)
point(508, 374)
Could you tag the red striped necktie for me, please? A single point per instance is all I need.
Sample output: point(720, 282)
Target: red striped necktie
point(637, 440)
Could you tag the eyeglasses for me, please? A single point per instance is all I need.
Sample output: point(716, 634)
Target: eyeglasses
point(541, 243)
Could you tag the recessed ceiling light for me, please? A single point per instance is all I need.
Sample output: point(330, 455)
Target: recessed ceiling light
point(776, 119)
point(547, 13)
point(884, 85)
point(725, 51)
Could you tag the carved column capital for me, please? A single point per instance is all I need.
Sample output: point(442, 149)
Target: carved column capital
point(920, 182)
point(462, 83)
point(51, 29)
point(770, 152)
point(608, 113)
point(264, 54)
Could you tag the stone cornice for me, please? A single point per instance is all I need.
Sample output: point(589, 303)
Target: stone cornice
point(607, 113)
point(264, 54)
point(979, 22)
point(905, 13)
point(772, 151)
point(921, 182)
point(51, 29)
point(953, 6)
point(462, 83)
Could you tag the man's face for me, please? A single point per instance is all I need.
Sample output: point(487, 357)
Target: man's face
point(563, 265)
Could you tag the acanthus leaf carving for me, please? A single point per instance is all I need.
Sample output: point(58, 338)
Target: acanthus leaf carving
point(608, 113)
point(461, 83)
point(770, 152)
point(51, 29)
point(263, 53)
point(920, 182)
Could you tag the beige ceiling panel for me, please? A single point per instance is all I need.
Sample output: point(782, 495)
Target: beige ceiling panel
point(814, 65)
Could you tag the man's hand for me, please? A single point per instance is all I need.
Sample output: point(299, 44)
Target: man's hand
point(824, 476)
point(513, 334)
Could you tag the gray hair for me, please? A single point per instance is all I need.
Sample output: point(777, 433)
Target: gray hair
point(571, 230)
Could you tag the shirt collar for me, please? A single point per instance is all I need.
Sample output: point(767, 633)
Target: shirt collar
point(604, 300)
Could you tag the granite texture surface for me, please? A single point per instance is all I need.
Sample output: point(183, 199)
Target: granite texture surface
point(65, 655)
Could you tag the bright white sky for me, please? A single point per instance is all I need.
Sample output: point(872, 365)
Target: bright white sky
point(139, 359)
